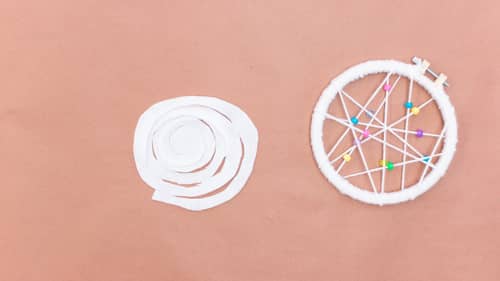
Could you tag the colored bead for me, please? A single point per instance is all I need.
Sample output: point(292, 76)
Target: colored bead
point(390, 166)
point(415, 110)
point(347, 157)
point(408, 104)
point(420, 133)
point(354, 120)
point(382, 163)
point(426, 158)
point(366, 133)
point(369, 113)
point(387, 87)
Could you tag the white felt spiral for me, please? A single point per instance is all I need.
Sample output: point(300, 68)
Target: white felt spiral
point(196, 152)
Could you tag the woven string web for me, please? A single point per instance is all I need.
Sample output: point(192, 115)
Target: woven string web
point(392, 117)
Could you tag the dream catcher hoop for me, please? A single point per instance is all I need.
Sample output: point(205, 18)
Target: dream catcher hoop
point(364, 122)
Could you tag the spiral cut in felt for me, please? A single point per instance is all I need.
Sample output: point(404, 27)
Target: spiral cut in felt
point(196, 152)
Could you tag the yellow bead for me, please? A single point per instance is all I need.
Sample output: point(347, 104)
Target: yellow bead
point(415, 110)
point(347, 157)
point(382, 163)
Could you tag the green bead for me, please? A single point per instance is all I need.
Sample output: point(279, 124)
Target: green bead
point(390, 166)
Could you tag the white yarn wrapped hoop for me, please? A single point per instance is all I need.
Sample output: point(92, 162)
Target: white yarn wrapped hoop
point(196, 152)
point(449, 133)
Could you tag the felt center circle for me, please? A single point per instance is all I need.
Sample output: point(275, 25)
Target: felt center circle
point(186, 144)
point(185, 140)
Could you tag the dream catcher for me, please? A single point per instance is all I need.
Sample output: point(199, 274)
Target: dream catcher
point(384, 131)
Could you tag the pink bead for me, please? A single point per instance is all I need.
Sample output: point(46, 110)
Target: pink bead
point(387, 87)
point(366, 133)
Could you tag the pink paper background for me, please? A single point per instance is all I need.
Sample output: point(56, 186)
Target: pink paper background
point(76, 75)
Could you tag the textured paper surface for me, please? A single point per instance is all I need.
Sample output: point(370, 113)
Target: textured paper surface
point(75, 75)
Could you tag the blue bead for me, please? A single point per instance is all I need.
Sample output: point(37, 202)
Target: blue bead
point(426, 158)
point(354, 120)
point(408, 104)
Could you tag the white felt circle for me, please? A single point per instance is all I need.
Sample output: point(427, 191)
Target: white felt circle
point(372, 67)
point(196, 152)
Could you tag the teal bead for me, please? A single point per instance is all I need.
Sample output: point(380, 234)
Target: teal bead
point(408, 104)
point(354, 120)
point(426, 158)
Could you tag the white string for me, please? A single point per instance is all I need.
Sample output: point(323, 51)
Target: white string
point(403, 163)
point(377, 90)
point(384, 159)
point(432, 153)
point(403, 170)
point(360, 149)
point(410, 114)
point(384, 129)
point(374, 136)
point(363, 109)
point(350, 149)
point(371, 120)
point(391, 130)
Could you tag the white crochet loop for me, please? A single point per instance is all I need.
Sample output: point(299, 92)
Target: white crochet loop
point(433, 170)
point(196, 152)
